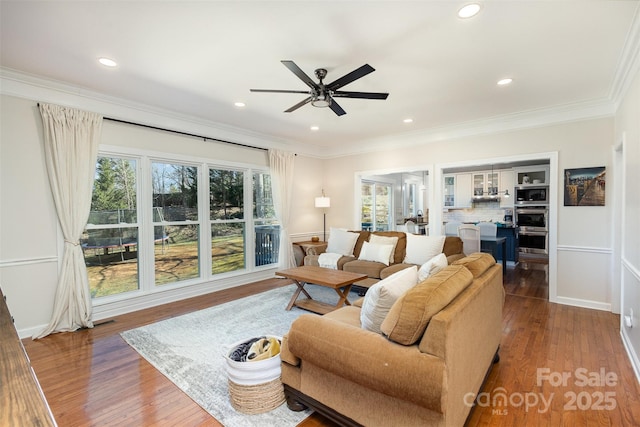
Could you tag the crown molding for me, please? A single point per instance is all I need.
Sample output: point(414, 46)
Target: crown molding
point(629, 63)
point(587, 110)
point(27, 86)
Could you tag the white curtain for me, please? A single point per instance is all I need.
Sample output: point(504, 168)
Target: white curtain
point(281, 166)
point(71, 139)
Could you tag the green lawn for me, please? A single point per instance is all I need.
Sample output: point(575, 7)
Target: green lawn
point(117, 272)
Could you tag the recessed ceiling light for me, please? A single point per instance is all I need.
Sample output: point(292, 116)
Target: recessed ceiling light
point(240, 104)
point(314, 128)
point(504, 82)
point(107, 62)
point(408, 120)
point(468, 10)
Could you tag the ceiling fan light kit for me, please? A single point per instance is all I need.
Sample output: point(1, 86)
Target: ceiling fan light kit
point(321, 95)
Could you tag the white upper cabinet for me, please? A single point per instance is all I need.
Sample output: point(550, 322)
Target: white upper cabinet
point(486, 183)
point(457, 190)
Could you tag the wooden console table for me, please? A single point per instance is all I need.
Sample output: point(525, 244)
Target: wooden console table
point(21, 399)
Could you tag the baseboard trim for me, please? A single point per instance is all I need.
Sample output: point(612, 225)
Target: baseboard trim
point(633, 357)
point(576, 302)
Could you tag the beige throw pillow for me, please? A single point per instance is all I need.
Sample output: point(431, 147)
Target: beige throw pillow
point(410, 314)
point(432, 266)
point(375, 252)
point(382, 295)
point(385, 240)
point(421, 249)
point(341, 242)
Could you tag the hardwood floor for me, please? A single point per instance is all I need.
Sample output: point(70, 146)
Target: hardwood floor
point(93, 378)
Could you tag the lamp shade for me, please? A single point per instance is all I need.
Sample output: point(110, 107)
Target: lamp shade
point(323, 202)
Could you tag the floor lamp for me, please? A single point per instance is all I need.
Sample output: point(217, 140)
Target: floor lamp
point(323, 202)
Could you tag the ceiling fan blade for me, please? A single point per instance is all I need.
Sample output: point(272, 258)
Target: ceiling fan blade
point(363, 95)
point(336, 108)
point(299, 104)
point(280, 91)
point(348, 78)
point(301, 74)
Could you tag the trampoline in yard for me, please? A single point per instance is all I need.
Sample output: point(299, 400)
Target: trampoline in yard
point(103, 240)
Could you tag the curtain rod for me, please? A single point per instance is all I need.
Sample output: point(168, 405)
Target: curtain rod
point(205, 138)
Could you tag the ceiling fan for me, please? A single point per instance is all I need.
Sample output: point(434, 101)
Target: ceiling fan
point(320, 94)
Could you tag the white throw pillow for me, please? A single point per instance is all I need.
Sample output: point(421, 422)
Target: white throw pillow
point(382, 295)
point(341, 241)
point(421, 249)
point(375, 252)
point(385, 240)
point(432, 266)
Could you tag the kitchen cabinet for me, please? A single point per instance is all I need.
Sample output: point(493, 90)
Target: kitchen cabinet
point(485, 183)
point(511, 233)
point(457, 190)
point(507, 182)
point(532, 175)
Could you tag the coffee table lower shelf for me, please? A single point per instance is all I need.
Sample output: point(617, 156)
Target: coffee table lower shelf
point(314, 306)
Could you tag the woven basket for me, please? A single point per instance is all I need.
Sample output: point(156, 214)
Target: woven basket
point(258, 398)
point(255, 387)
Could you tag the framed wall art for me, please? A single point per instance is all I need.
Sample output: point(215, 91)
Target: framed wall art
point(584, 186)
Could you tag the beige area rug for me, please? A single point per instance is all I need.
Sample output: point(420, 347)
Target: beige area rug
point(190, 349)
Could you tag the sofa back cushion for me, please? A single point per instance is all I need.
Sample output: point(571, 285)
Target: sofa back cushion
point(410, 314)
point(452, 246)
point(477, 263)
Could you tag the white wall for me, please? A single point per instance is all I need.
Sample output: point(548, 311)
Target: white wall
point(627, 267)
point(581, 232)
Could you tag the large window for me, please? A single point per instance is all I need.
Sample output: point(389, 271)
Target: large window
point(153, 233)
point(267, 230)
point(226, 211)
point(175, 222)
point(110, 241)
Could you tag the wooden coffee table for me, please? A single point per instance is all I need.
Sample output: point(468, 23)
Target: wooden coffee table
point(338, 280)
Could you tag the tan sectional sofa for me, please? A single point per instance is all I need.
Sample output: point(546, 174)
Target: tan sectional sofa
point(358, 377)
point(376, 271)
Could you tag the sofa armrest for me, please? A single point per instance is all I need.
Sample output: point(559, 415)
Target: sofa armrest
point(368, 359)
point(317, 250)
point(313, 260)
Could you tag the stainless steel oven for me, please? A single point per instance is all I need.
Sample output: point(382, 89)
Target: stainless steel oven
point(534, 242)
point(533, 218)
point(533, 229)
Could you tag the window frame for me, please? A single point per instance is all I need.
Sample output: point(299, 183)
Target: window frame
point(146, 263)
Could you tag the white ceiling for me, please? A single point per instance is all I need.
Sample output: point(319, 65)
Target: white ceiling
point(198, 58)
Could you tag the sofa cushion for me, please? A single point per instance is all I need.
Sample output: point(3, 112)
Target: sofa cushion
point(410, 314)
point(386, 240)
point(370, 268)
point(477, 263)
point(376, 252)
point(381, 296)
point(421, 249)
point(452, 246)
point(341, 242)
point(432, 266)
